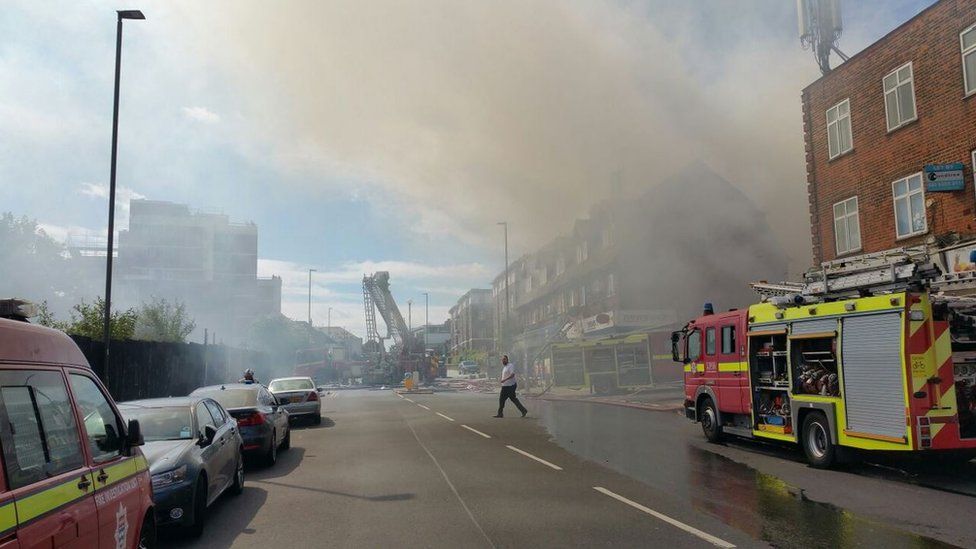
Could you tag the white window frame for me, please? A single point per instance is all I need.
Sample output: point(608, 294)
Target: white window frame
point(974, 167)
point(847, 227)
point(907, 196)
point(971, 50)
point(837, 123)
point(911, 82)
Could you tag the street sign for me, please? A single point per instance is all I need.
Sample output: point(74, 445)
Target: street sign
point(944, 177)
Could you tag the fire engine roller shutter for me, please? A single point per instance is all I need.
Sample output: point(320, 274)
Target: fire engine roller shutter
point(818, 326)
point(873, 374)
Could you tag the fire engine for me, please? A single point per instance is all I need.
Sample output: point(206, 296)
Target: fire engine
point(875, 353)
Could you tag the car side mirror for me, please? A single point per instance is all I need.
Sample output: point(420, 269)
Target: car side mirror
point(209, 433)
point(134, 434)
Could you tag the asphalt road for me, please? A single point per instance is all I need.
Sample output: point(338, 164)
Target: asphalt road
point(437, 471)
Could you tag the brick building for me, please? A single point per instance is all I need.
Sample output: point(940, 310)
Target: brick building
point(887, 133)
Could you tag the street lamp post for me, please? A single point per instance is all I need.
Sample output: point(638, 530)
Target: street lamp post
point(123, 14)
point(410, 315)
point(330, 321)
point(508, 299)
point(310, 271)
point(426, 319)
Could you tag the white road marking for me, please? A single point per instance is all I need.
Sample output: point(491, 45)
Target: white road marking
point(424, 407)
point(673, 522)
point(453, 489)
point(530, 456)
point(475, 431)
point(398, 394)
point(408, 399)
point(445, 417)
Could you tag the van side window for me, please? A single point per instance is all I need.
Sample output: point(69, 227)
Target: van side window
point(102, 426)
point(694, 345)
point(728, 340)
point(710, 341)
point(40, 434)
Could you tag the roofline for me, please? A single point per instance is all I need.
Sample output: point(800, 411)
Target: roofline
point(873, 45)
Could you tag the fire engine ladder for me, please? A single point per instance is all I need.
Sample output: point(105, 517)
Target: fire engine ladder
point(377, 296)
point(890, 270)
point(372, 334)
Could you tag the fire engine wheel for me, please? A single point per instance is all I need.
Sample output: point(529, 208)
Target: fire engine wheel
point(709, 421)
point(817, 445)
point(147, 534)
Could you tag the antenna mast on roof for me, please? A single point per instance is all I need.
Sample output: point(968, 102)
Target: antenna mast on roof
point(820, 27)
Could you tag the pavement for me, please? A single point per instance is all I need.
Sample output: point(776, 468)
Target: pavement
point(435, 470)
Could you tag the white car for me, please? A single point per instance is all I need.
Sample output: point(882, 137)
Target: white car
point(468, 367)
point(298, 396)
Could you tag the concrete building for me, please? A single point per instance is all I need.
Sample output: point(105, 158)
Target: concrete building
point(472, 319)
point(641, 263)
point(201, 259)
point(438, 336)
point(891, 139)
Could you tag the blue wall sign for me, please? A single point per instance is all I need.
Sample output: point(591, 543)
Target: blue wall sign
point(944, 177)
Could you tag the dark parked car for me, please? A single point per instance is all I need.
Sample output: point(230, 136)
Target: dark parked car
point(299, 396)
point(262, 421)
point(195, 454)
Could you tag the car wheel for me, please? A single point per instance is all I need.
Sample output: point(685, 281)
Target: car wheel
point(286, 444)
point(238, 486)
point(199, 508)
point(272, 456)
point(147, 534)
point(709, 421)
point(318, 419)
point(817, 445)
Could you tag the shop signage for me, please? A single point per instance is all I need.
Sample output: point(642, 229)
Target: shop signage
point(944, 177)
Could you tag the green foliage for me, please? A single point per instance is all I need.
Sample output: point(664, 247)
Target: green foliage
point(160, 320)
point(87, 319)
point(45, 317)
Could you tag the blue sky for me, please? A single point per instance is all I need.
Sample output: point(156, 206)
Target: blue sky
point(360, 136)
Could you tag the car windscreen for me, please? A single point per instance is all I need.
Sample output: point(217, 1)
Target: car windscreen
point(232, 398)
point(291, 385)
point(169, 423)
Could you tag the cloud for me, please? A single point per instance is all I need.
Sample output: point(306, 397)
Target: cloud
point(123, 195)
point(201, 114)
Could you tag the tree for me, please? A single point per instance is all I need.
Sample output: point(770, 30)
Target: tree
point(87, 319)
point(160, 320)
point(45, 317)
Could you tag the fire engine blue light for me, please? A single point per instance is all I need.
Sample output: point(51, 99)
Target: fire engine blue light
point(708, 308)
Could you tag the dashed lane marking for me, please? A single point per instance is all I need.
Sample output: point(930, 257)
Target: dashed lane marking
point(718, 542)
point(473, 430)
point(399, 395)
point(424, 407)
point(530, 456)
point(445, 417)
point(408, 399)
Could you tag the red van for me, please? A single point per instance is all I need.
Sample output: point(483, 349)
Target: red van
point(73, 474)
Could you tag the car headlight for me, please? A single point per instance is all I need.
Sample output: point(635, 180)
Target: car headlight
point(168, 478)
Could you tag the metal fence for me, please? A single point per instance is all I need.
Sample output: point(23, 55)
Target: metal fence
point(151, 369)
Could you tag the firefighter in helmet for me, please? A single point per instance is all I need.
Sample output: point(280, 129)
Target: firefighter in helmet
point(248, 377)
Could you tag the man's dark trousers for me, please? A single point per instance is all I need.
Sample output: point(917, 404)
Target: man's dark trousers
point(509, 393)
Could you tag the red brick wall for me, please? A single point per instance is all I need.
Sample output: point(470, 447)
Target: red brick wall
point(944, 132)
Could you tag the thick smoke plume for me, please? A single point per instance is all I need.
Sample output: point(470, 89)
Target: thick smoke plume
point(468, 112)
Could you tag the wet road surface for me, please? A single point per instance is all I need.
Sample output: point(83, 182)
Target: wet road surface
point(437, 471)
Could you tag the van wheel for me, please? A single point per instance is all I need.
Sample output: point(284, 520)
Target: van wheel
point(147, 534)
point(709, 421)
point(272, 456)
point(199, 508)
point(817, 445)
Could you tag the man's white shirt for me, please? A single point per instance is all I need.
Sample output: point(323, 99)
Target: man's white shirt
point(508, 370)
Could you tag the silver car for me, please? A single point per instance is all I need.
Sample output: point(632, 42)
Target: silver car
point(298, 396)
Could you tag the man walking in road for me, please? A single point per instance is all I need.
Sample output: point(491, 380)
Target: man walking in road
point(508, 388)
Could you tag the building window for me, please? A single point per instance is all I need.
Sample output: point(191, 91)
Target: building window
point(967, 40)
point(909, 199)
point(611, 285)
point(581, 252)
point(839, 139)
point(847, 226)
point(899, 90)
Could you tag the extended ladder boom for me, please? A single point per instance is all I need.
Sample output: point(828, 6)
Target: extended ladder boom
point(376, 292)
